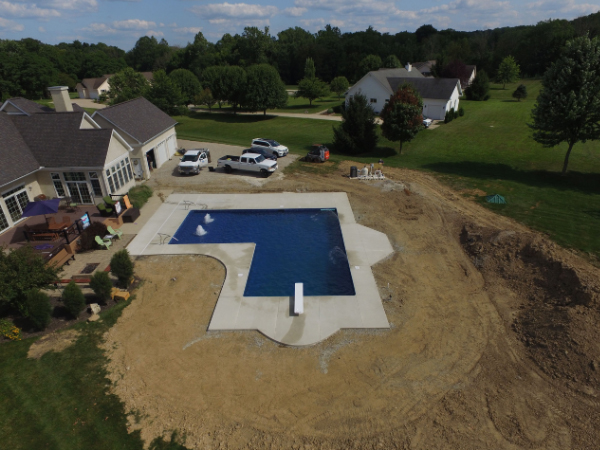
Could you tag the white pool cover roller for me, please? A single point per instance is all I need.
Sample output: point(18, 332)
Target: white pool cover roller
point(299, 298)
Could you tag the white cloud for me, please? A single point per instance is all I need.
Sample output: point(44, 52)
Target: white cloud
point(41, 29)
point(133, 24)
point(188, 30)
point(234, 10)
point(9, 25)
point(564, 8)
point(294, 12)
point(100, 28)
point(21, 10)
point(74, 5)
point(155, 33)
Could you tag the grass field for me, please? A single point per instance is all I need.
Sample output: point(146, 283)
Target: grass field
point(489, 149)
point(61, 401)
point(296, 105)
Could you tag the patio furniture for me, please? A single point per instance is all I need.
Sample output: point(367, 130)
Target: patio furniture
point(67, 220)
point(44, 236)
point(104, 210)
point(109, 201)
point(130, 215)
point(117, 294)
point(102, 243)
point(118, 233)
point(50, 221)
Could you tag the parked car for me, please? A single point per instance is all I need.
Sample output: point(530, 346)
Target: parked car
point(318, 153)
point(250, 161)
point(193, 161)
point(275, 147)
point(427, 122)
point(261, 151)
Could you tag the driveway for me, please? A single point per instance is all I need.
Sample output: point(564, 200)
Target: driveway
point(87, 103)
point(168, 176)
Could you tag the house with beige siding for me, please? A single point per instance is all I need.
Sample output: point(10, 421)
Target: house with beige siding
point(67, 153)
point(94, 87)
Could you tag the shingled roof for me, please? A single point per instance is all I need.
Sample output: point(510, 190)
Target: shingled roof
point(434, 88)
point(27, 106)
point(17, 159)
point(55, 140)
point(138, 118)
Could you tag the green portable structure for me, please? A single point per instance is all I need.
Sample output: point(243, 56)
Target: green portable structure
point(496, 198)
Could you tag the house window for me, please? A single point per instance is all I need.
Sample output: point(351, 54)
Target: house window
point(3, 221)
point(58, 186)
point(118, 175)
point(95, 184)
point(373, 100)
point(78, 187)
point(16, 200)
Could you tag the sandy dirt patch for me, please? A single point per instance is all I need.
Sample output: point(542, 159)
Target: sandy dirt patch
point(493, 341)
point(53, 342)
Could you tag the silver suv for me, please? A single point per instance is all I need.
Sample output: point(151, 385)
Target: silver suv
point(275, 147)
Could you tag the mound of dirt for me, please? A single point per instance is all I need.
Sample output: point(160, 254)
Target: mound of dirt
point(53, 342)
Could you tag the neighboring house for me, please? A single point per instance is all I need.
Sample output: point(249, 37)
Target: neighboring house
point(472, 74)
point(94, 87)
point(149, 131)
point(66, 153)
point(439, 94)
point(425, 67)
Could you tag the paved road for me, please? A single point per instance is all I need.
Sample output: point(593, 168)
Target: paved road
point(87, 103)
point(315, 116)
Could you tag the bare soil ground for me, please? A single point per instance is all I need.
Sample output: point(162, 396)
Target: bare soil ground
point(494, 341)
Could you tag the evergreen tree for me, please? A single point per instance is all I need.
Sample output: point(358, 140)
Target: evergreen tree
point(568, 106)
point(479, 89)
point(264, 89)
point(339, 85)
point(37, 309)
point(102, 285)
point(358, 131)
point(73, 299)
point(520, 92)
point(121, 266)
point(508, 71)
point(402, 115)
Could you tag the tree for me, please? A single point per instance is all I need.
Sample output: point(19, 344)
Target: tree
point(479, 90)
point(392, 62)
point(187, 82)
point(121, 266)
point(102, 285)
point(402, 115)
point(568, 106)
point(508, 71)
point(126, 85)
point(73, 299)
point(37, 309)
point(264, 89)
point(358, 131)
point(311, 88)
point(205, 98)
point(22, 270)
point(148, 54)
point(339, 85)
point(369, 63)
point(213, 79)
point(234, 85)
point(309, 69)
point(520, 92)
point(165, 94)
point(456, 69)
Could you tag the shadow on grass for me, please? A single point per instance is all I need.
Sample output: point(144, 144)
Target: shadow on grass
point(230, 117)
point(588, 183)
point(380, 152)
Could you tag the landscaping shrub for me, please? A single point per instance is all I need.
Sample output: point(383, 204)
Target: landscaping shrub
point(73, 299)
point(9, 330)
point(449, 116)
point(461, 111)
point(122, 267)
point(339, 108)
point(139, 195)
point(330, 111)
point(102, 285)
point(87, 240)
point(37, 309)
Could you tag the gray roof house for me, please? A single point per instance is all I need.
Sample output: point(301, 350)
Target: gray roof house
point(94, 87)
point(439, 94)
point(66, 153)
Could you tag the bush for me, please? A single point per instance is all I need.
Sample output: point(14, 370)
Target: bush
point(139, 195)
point(449, 116)
point(330, 111)
point(73, 299)
point(461, 111)
point(339, 108)
point(9, 330)
point(37, 309)
point(122, 267)
point(87, 241)
point(102, 285)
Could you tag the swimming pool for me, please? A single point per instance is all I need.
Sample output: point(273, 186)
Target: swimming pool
point(292, 246)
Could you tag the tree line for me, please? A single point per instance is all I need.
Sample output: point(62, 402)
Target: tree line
point(28, 66)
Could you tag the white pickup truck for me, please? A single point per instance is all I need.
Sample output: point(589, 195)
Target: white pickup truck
point(249, 161)
point(193, 161)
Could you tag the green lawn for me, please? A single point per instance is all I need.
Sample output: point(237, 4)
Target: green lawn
point(61, 401)
point(294, 105)
point(490, 149)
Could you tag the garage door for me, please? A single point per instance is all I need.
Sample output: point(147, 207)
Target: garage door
point(435, 112)
point(160, 153)
point(171, 145)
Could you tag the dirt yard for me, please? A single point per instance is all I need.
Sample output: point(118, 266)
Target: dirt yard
point(494, 341)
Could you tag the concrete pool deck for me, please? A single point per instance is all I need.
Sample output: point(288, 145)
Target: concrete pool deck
point(273, 316)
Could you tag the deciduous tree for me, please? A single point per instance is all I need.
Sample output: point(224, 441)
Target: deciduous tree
point(520, 92)
point(234, 85)
point(165, 94)
point(369, 63)
point(392, 62)
point(339, 85)
point(187, 82)
point(205, 98)
point(264, 89)
point(402, 115)
point(568, 106)
point(126, 85)
point(358, 131)
point(508, 71)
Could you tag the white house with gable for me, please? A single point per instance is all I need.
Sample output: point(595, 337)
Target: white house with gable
point(439, 94)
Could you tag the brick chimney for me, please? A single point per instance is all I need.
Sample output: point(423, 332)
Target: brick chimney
point(408, 67)
point(61, 99)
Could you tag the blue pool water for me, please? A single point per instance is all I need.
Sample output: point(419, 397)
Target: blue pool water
point(292, 246)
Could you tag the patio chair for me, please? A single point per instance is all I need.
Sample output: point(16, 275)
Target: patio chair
point(50, 221)
point(103, 243)
point(118, 233)
point(105, 211)
point(109, 201)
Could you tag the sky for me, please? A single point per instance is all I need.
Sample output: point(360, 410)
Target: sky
point(123, 22)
